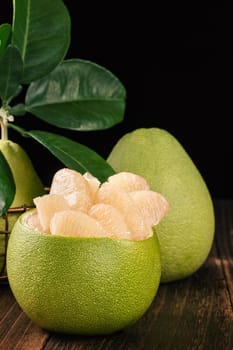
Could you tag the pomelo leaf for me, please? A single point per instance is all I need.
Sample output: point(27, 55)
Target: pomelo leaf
point(78, 95)
point(11, 70)
point(5, 35)
point(18, 110)
point(7, 185)
point(73, 154)
point(41, 31)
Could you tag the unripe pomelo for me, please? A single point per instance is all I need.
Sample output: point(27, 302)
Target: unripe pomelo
point(27, 183)
point(186, 233)
point(82, 285)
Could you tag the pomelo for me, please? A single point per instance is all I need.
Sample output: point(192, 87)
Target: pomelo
point(81, 285)
point(27, 182)
point(186, 233)
point(28, 185)
point(93, 271)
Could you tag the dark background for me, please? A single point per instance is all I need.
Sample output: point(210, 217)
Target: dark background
point(176, 64)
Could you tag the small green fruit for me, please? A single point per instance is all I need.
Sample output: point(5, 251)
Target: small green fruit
point(186, 233)
point(28, 185)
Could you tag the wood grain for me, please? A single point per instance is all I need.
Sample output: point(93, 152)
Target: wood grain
point(193, 314)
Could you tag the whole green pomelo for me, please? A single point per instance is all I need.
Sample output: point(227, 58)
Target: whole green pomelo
point(186, 233)
point(82, 285)
point(28, 185)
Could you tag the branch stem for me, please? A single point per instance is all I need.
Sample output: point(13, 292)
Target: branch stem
point(4, 118)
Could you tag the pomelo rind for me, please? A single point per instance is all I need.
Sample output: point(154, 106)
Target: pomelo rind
point(82, 285)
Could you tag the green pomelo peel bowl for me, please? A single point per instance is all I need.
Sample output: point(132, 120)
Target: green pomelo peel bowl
point(82, 285)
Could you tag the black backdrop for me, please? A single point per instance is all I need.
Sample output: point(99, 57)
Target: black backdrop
point(175, 61)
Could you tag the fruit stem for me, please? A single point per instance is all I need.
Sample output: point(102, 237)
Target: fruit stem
point(4, 118)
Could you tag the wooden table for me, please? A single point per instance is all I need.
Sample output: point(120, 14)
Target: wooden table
point(196, 313)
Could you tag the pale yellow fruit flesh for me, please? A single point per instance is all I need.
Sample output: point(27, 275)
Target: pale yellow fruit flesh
point(47, 206)
point(73, 186)
point(93, 183)
point(32, 221)
point(76, 223)
point(152, 205)
point(110, 194)
point(111, 219)
point(113, 209)
point(129, 182)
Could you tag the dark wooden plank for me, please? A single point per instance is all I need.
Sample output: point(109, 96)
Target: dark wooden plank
point(17, 332)
point(24, 335)
point(9, 309)
point(224, 240)
point(193, 314)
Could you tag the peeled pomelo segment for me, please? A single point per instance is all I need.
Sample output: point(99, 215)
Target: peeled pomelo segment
point(76, 223)
point(47, 206)
point(111, 194)
point(111, 220)
point(32, 221)
point(73, 187)
point(129, 182)
point(78, 206)
point(152, 205)
point(93, 183)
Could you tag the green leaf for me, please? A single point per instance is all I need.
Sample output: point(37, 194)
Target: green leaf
point(11, 69)
point(41, 30)
point(5, 35)
point(17, 91)
point(7, 185)
point(73, 154)
point(78, 95)
point(18, 109)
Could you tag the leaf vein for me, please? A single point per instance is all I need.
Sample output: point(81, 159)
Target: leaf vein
point(26, 31)
point(46, 103)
